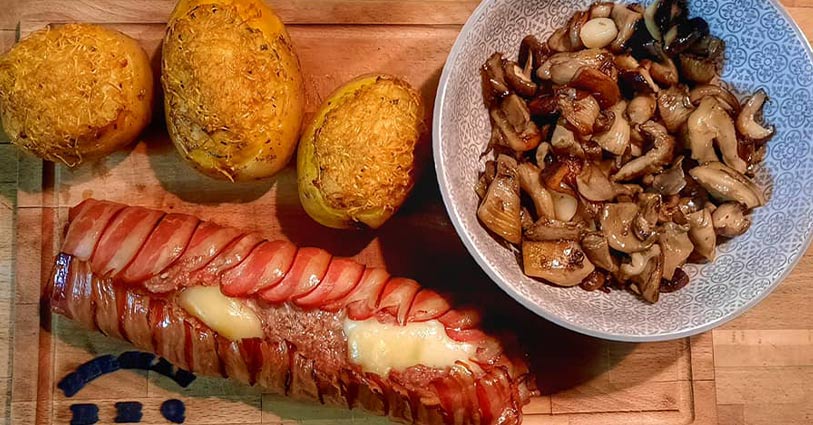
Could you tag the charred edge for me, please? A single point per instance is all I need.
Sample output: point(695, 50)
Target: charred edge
point(189, 355)
point(121, 310)
point(290, 348)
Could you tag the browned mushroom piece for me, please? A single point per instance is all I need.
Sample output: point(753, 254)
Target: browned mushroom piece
point(645, 271)
point(542, 154)
point(500, 209)
point(641, 108)
point(594, 184)
point(601, 9)
point(561, 68)
point(674, 107)
point(580, 114)
point(513, 119)
point(566, 39)
point(644, 225)
point(633, 77)
point(726, 184)
point(730, 220)
point(671, 181)
point(493, 79)
point(702, 62)
point(710, 123)
point(616, 139)
point(563, 142)
point(486, 177)
point(625, 20)
point(727, 99)
point(664, 72)
point(616, 224)
point(677, 247)
point(655, 159)
point(546, 229)
point(519, 78)
point(702, 234)
point(562, 262)
point(597, 248)
point(530, 183)
point(600, 85)
point(746, 120)
point(533, 51)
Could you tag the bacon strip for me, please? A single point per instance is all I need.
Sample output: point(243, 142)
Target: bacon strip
point(121, 271)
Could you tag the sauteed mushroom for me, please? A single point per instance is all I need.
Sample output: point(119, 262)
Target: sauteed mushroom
point(746, 121)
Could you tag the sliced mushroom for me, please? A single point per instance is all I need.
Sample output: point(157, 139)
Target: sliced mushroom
point(580, 114)
point(564, 142)
point(595, 185)
point(726, 184)
point(642, 108)
point(625, 20)
point(671, 181)
point(702, 234)
point(646, 271)
point(513, 119)
point(616, 139)
point(567, 38)
point(664, 71)
point(746, 121)
point(710, 123)
point(730, 220)
point(561, 263)
point(654, 160)
point(660, 15)
point(500, 209)
point(645, 222)
point(546, 229)
point(541, 154)
point(677, 247)
point(531, 50)
point(727, 100)
point(601, 9)
point(597, 248)
point(598, 84)
point(616, 223)
point(519, 78)
point(493, 78)
point(674, 107)
point(545, 107)
point(697, 69)
point(530, 183)
point(561, 68)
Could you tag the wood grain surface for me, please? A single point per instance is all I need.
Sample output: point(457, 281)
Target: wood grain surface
point(757, 369)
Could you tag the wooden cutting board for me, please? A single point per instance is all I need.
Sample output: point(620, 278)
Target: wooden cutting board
point(759, 369)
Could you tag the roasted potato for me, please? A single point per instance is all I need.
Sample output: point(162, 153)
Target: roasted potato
point(233, 88)
point(358, 158)
point(75, 92)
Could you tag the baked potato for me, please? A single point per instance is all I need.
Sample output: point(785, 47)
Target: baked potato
point(233, 91)
point(75, 92)
point(358, 159)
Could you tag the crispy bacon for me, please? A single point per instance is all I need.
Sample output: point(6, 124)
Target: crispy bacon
point(122, 269)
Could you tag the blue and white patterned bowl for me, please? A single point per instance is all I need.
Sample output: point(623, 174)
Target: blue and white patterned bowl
point(765, 49)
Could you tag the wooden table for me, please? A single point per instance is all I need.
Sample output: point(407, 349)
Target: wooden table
point(757, 369)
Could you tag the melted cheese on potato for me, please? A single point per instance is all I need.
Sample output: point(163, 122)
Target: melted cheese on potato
point(379, 347)
point(229, 317)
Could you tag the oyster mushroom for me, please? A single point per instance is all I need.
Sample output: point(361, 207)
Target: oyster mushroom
point(683, 35)
point(513, 119)
point(616, 223)
point(697, 69)
point(562, 263)
point(530, 183)
point(546, 229)
point(625, 20)
point(634, 77)
point(595, 185)
point(671, 181)
point(702, 234)
point(654, 160)
point(677, 247)
point(493, 79)
point(674, 107)
point(500, 209)
point(709, 123)
point(533, 51)
point(560, 68)
point(645, 271)
point(664, 71)
point(727, 100)
point(564, 142)
point(597, 248)
point(600, 85)
point(660, 14)
point(567, 38)
point(519, 78)
point(726, 184)
point(541, 154)
point(617, 138)
point(601, 9)
point(580, 114)
point(641, 108)
point(746, 121)
point(730, 220)
point(645, 222)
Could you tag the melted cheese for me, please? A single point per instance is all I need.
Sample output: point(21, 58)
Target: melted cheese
point(379, 347)
point(229, 317)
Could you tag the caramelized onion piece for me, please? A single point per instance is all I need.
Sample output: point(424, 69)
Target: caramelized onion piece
point(561, 263)
point(500, 209)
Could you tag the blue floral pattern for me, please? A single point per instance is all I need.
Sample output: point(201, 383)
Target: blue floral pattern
point(764, 50)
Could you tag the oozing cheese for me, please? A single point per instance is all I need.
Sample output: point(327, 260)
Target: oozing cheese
point(229, 317)
point(379, 347)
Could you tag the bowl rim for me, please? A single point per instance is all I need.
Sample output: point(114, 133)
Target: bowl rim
point(440, 97)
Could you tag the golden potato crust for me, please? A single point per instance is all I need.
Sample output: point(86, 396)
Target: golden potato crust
point(74, 92)
point(358, 159)
point(233, 90)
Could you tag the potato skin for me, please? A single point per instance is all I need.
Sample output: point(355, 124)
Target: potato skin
point(75, 92)
point(233, 90)
point(359, 157)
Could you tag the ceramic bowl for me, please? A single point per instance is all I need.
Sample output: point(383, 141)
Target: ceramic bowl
point(765, 49)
